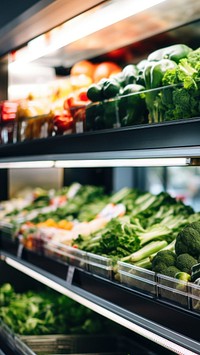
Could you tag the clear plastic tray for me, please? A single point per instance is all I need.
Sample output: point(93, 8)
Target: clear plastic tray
point(34, 241)
point(96, 264)
point(7, 229)
point(66, 344)
point(83, 344)
point(22, 347)
point(142, 107)
point(172, 290)
point(100, 265)
point(194, 297)
point(137, 277)
point(7, 132)
point(28, 128)
point(7, 334)
point(8, 240)
point(65, 254)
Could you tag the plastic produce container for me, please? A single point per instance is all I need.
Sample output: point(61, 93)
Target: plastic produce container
point(65, 344)
point(90, 344)
point(100, 265)
point(71, 120)
point(7, 334)
point(79, 118)
point(7, 132)
point(96, 264)
point(144, 107)
point(33, 241)
point(194, 296)
point(8, 240)
point(29, 128)
point(8, 230)
point(173, 290)
point(8, 111)
point(137, 278)
point(65, 254)
point(102, 115)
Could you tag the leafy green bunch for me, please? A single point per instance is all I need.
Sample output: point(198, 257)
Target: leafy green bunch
point(46, 312)
point(182, 99)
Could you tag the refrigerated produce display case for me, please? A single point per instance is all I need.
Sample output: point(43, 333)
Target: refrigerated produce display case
point(38, 54)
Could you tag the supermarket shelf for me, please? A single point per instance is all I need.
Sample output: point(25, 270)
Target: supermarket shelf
point(168, 139)
point(165, 324)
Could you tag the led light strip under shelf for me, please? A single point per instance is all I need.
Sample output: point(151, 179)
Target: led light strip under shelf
point(99, 163)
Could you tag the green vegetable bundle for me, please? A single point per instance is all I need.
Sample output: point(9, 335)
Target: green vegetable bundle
point(172, 76)
point(151, 223)
point(117, 101)
point(163, 87)
point(46, 312)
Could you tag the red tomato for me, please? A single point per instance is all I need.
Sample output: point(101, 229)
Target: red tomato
point(83, 96)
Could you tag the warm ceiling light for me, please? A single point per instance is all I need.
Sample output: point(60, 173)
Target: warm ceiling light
point(79, 27)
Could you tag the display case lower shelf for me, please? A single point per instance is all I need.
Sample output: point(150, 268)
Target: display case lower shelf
point(169, 326)
point(95, 344)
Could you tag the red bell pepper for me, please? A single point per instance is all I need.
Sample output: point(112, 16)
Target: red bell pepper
point(63, 122)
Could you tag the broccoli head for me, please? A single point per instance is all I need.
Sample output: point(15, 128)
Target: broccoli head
point(182, 100)
point(194, 58)
point(163, 260)
point(185, 262)
point(171, 271)
point(188, 240)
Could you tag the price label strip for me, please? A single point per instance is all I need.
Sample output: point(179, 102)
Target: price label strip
point(70, 274)
point(20, 250)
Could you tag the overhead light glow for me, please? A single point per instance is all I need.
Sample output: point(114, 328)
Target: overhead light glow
point(79, 27)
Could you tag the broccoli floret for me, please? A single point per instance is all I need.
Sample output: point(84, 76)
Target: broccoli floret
point(171, 271)
point(164, 263)
point(188, 240)
point(182, 101)
point(194, 58)
point(162, 260)
point(160, 268)
point(185, 262)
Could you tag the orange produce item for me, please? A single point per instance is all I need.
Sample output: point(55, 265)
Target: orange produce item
point(63, 224)
point(104, 70)
point(80, 81)
point(83, 67)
